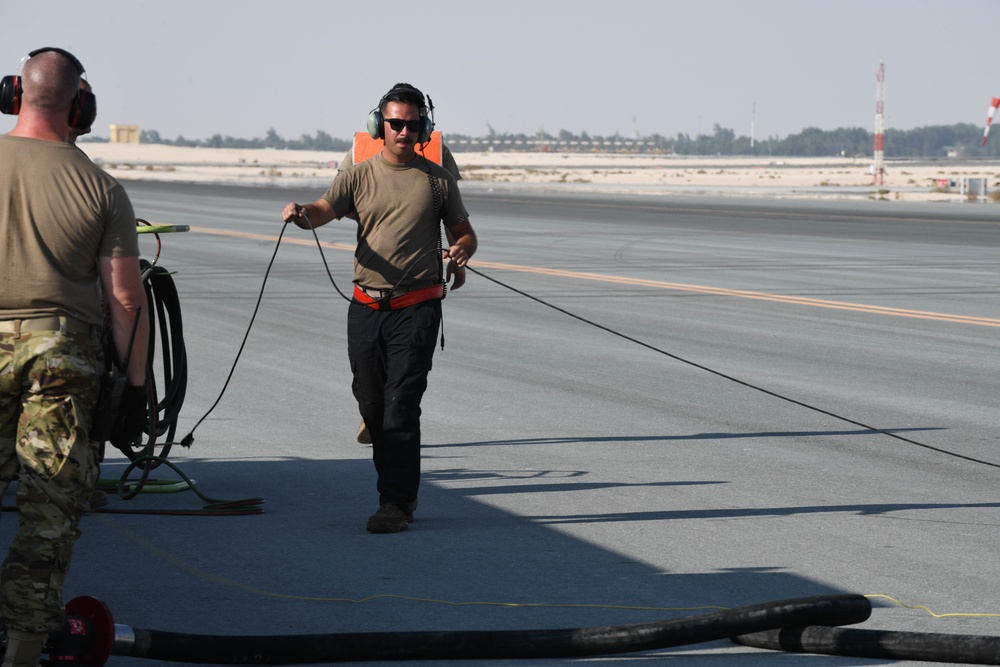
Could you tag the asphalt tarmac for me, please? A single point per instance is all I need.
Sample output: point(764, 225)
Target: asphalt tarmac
point(669, 407)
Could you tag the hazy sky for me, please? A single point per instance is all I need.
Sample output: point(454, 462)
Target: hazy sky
point(202, 67)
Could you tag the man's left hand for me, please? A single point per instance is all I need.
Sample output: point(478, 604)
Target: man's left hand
point(457, 254)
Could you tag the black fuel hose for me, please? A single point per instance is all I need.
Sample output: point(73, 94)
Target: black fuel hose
point(488, 644)
point(165, 322)
point(166, 340)
point(878, 644)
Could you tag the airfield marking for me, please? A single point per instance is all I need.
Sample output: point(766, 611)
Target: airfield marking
point(659, 284)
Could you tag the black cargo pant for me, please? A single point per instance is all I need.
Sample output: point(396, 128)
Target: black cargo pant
point(390, 353)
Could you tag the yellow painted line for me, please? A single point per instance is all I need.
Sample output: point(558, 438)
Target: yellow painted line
point(659, 284)
point(745, 294)
point(271, 237)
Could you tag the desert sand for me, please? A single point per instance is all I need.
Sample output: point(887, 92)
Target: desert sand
point(764, 176)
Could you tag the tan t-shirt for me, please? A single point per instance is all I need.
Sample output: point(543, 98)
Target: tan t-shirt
point(58, 213)
point(399, 229)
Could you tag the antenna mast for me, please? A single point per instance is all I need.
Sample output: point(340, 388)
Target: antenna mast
point(879, 166)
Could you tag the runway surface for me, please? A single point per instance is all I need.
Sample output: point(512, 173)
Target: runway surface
point(709, 451)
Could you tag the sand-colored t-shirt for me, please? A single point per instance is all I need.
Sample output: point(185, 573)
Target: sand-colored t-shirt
point(399, 226)
point(58, 213)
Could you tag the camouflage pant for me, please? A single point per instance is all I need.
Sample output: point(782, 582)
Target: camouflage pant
point(48, 389)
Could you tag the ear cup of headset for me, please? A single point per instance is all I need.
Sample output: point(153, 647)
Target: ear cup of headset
point(84, 110)
point(10, 95)
point(376, 128)
point(425, 134)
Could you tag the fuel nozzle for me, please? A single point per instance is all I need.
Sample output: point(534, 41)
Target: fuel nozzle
point(86, 638)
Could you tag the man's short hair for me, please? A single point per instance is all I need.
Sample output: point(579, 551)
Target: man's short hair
point(404, 92)
point(50, 81)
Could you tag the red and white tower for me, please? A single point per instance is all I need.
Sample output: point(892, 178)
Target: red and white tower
point(989, 119)
point(879, 166)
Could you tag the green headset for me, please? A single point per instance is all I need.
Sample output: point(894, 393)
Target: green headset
point(403, 92)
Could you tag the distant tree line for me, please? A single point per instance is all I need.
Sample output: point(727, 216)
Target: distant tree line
point(936, 141)
point(321, 142)
point(961, 139)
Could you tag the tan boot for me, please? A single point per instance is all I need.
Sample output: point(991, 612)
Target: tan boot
point(24, 649)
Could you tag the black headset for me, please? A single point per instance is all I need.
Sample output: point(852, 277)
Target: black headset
point(81, 114)
point(376, 122)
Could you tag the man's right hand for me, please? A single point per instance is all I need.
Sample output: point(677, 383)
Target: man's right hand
point(308, 216)
point(293, 213)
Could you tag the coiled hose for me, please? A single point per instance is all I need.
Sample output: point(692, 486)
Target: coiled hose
point(166, 339)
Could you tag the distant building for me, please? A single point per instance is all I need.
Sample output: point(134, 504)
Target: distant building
point(124, 134)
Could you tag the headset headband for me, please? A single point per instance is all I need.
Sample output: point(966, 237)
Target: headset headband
point(421, 106)
point(69, 56)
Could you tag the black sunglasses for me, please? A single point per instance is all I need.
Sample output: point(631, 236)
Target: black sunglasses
point(397, 124)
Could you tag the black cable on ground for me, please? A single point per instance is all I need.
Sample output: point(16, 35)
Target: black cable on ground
point(879, 644)
point(826, 640)
point(536, 644)
point(730, 377)
point(188, 439)
point(128, 490)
